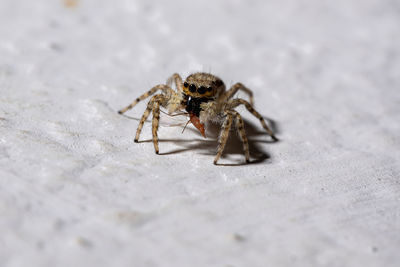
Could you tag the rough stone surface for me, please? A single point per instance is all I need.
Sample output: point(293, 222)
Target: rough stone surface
point(75, 190)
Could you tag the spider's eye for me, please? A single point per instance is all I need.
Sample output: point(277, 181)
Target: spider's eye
point(202, 90)
point(185, 84)
point(192, 88)
point(209, 89)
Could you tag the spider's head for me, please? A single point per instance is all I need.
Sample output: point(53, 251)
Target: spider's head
point(199, 88)
point(203, 85)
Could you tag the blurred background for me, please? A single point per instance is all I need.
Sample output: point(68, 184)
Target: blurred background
point(75, 189)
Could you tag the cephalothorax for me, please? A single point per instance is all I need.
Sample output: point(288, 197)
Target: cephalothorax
point(204, 98)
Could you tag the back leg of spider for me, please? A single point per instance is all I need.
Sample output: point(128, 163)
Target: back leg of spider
point(236, 102)
point(235, 88)
point(165, 88)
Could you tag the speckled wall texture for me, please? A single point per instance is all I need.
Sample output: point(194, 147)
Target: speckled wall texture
point(75, 190)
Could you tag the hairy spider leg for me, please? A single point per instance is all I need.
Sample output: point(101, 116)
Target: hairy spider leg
point(236, 102)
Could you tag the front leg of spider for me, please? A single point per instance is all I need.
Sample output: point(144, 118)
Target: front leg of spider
point(223, 137)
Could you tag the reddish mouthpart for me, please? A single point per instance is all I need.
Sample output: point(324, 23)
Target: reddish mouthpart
point(196, 122)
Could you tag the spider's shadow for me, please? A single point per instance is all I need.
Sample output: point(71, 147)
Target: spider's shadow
point(233, 146)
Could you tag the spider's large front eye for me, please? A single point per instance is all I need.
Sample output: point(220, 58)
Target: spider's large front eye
point(192, 88)
point(202, 90)
point(209, 89)
point(185, 84)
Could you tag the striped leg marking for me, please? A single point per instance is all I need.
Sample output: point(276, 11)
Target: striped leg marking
point(178, 82)
point(146, 113)
point(155, 123)
point(164, 88)
point(242, 134)
point(236, 87)
point(223, 136)
point(236, 102)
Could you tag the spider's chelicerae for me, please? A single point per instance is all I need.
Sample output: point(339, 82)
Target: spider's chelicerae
point(204, 98)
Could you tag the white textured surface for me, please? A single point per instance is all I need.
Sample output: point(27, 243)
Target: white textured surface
point(76, 191)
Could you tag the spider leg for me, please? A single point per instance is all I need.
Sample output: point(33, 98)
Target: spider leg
point(146, 113)
point(164, 88)
point(223, 137)
point(150, 108)
point(242, 134)
point(236, 87)
point(236, 102)
point(178, 82)
point(155, 123)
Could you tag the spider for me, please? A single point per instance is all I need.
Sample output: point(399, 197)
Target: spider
point(204, 98)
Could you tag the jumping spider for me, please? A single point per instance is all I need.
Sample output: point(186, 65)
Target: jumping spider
point(204, 98)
